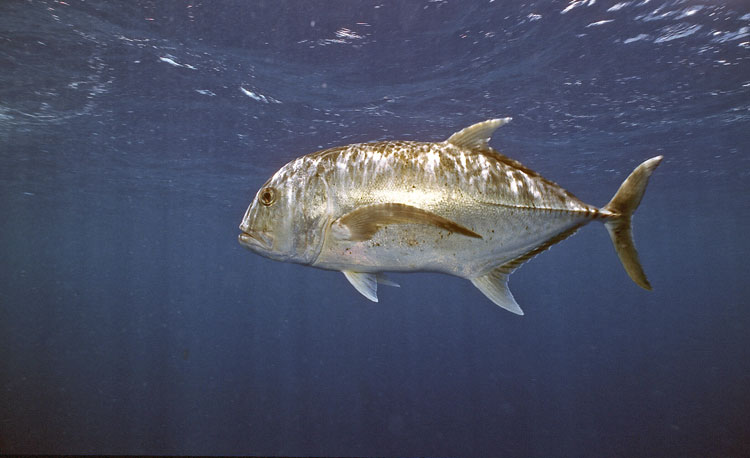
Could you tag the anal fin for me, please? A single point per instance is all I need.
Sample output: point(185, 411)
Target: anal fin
point(494, 285)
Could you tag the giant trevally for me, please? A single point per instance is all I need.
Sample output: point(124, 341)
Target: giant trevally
point(457, 207)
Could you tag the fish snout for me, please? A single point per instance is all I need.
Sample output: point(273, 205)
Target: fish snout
point(255, 239)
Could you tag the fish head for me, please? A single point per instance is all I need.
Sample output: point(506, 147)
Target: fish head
point(287, 218)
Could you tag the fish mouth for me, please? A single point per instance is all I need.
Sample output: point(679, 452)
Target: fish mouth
point(255, 240)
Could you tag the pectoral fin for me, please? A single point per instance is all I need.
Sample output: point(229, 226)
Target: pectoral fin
point(494, 285)
point(362, 223)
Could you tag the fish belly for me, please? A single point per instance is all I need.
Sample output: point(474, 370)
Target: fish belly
point(507, 234)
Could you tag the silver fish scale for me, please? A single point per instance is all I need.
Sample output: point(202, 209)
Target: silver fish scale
point(420, 167)
point(513, 208)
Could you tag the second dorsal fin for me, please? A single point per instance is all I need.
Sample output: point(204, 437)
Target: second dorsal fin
point(477, 135)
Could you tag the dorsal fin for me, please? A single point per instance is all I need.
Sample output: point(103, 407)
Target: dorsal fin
point(477, 135)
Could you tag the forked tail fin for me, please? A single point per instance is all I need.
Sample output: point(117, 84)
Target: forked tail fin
point(622, 206)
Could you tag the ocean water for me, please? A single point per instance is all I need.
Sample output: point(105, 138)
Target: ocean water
point(133, 135)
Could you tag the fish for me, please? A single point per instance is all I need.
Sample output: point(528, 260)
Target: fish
point(457, 207)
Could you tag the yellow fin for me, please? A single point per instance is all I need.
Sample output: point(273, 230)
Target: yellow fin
point(362, 223)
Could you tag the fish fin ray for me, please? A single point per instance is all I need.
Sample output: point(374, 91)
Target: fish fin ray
point(365, 283)
point(477, 135)
point(494, 285)
point(362, 223)
point(622, 206)
point(384, 280)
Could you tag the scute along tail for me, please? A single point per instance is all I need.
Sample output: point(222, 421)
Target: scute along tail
point(622, 206)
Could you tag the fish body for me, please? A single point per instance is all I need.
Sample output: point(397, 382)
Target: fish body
point(457, 207)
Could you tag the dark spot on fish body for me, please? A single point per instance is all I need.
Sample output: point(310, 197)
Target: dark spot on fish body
point(446, 163)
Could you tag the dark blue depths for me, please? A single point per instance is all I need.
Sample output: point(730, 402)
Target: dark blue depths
point(134, 134)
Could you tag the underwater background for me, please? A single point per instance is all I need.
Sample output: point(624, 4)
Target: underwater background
point(133, 135)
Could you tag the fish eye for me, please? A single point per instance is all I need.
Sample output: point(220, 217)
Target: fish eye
point(268, 196)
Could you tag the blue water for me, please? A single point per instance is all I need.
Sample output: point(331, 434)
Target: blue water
point(133, 135)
